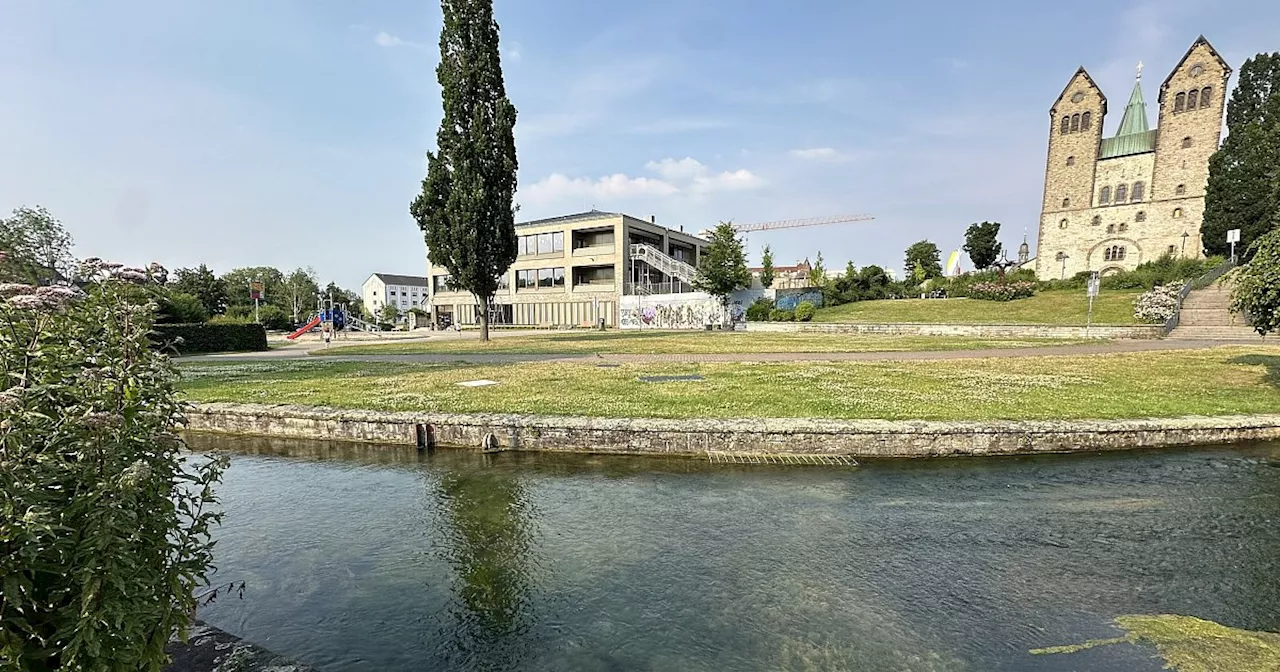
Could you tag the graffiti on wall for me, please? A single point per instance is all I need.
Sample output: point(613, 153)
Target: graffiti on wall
point(789, 301)
point(681, 311)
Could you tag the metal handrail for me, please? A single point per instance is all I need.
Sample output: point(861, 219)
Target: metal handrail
point(667, 264)
point(1190, 285)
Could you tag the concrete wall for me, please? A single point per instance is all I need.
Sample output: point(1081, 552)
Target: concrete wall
point(694, 310)
point(964, 330)
point(864, 438)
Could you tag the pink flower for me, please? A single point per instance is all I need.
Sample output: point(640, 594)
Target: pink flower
point(15, 289)
point(130, 275)
point(57, 296)
point(27, 302)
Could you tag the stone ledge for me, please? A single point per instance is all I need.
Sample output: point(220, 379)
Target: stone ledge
point(209, 649)
point(859, 438)
point(1103, 332)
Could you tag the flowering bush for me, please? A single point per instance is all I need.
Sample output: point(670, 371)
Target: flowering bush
point(104, 523)
point(1157, 305)
point(1002, 291)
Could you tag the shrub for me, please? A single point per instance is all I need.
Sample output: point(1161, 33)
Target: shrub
point(180, 308)
point(192, 338)
point(104, 521)
point(231, 318)
point(995, 291)
point(1257, 290)
point(759, 310)
point(1157, 305)
point(804, 311)
point(780, 315)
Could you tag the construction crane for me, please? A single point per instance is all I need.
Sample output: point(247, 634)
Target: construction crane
point(793, 223)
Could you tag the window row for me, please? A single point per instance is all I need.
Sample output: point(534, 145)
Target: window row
point(542, 243)
point(1122, 194)
point(542, 278)
point(1187, 101)
point(1114, 253)
point(1076, 123)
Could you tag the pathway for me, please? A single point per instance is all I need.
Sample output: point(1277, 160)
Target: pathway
point(1108, 347)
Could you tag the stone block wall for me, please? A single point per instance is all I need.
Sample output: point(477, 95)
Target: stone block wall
point(966, 330)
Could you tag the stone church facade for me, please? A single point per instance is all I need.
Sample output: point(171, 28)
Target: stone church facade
point(1113, 203)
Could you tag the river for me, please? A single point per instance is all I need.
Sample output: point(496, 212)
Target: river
point(382, 559)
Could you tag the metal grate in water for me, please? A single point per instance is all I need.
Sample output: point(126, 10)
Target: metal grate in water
point(730, 457)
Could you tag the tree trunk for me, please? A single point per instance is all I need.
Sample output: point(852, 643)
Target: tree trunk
point(484, 318)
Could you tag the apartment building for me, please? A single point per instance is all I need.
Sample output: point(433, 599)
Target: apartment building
point(402, 291)
point(571, 271)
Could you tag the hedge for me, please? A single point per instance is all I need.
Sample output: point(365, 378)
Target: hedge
point(198, 338)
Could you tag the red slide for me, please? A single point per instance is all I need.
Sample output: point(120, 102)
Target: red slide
point(308, 327)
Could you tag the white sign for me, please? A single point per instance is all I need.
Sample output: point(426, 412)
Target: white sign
point(1233, 236)
point(1095, 285)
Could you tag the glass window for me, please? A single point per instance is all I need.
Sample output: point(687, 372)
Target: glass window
point(1186, 142)
point(1097, 219)
point(523, 245)
point(1075, 123)
point(557, 241)
point(1105, 197)
point(557, 277)
point(1177, 213)
point(1205, 95)
point(1086, 121)
point(1139, 190)
point(1111, 228)
point(1124, 226)
point(1193, 97)
point(1122, 193)
point(1071, 160)
point(1180, 102)
point(504, 282)
point(1182, 189)
point(544, 243)
point(1066, 202)
point(1140, 217)
point(1066, 125)
point(544, 277)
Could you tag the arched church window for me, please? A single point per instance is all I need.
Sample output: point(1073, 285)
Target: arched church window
point(1177, 213)
point(1124, 226)
point(1062, 224)
point(1075, 123)
point(1111, 228)
point(1104, 198)
point(1097, 219)
point(1086, 121)
point(1180, 102)
point(1186, 142)
point(1181, 190)
point(1106, 254)
point(1193, 97)
point(1071, 160)
point(1122, 193)
point(1119, 256)
point(1139, 191)
point(1066, 125)
point(1066, 202)
point(1141, 216)
point(1206, 94)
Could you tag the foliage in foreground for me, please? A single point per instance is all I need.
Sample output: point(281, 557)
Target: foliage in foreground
point(1189, 644)
point(1257, 288)
point(722, 268)
point(104, 527)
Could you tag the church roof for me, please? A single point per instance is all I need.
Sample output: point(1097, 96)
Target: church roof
point(1135, 135)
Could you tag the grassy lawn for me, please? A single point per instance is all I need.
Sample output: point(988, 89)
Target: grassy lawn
point(675, 342)
point(1218, 381)
point(1056, 307)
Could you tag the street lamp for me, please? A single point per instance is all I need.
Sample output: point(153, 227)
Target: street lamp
point(1185, 236)
point(1062, 256)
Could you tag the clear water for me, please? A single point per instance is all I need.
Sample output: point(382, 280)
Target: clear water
point(381, 559)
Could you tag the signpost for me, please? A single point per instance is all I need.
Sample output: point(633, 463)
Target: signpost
point(255, 293)
point(1233, 237)
point(1095, 285)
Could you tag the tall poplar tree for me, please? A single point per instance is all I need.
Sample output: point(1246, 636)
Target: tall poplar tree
point(465, 209)
point(1243, 170)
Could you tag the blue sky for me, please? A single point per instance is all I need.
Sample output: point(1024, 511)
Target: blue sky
point(292, 132)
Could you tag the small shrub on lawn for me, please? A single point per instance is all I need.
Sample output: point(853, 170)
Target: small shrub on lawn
point(1158, 305)
point(996, 291)
point(804, 311)
point(779, 315)
point(759, 311)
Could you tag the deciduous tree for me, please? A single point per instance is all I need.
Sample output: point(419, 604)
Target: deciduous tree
point(925, 257)
point(465, 208)
point(37, 249)
point(722, 269)
point(201, 283)
point(766, 268)
point(1257, 287)
point(300, 290)
point(1241, 174)
point(982, 244)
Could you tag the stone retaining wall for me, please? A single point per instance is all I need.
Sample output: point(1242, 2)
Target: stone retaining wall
point(965, 330)
point(863, 438)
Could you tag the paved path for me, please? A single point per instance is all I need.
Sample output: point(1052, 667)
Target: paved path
point(1107, 347)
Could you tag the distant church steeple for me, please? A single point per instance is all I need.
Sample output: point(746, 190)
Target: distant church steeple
point(1024, 250)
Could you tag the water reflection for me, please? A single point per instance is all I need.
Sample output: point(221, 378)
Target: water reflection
point(488, 544)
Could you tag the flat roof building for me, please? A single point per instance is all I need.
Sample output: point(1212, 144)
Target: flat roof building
point(571, 270)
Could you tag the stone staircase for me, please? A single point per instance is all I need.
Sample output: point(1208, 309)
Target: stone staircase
point(1206, 316)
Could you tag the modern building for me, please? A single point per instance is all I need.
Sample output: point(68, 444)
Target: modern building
point(402, 291)
point(572, 270)
point(1113, 203)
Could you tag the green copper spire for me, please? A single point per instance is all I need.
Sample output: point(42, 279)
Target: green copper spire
point(1134, 136)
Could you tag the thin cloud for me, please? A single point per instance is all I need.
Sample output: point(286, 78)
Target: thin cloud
point(676, 177)
point(389, 41)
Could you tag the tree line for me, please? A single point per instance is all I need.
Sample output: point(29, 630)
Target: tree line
point(36, 250)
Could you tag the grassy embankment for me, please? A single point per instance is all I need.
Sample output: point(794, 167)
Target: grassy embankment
point(1218, 381)
point(675, 342)
point(1059, 307)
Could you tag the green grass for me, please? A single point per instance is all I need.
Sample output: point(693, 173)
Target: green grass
point(674, 342)
point(1218, 381)
point(1062, 307)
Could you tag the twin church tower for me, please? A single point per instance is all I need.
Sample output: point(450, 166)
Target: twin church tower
point(1113, 203)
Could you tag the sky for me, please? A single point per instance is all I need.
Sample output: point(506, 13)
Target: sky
point(293, 132)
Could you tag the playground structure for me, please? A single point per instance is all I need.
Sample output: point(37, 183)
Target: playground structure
point(333, 318)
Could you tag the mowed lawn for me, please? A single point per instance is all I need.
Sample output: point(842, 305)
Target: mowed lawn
point(1220, 381)
point(1059, 307)
point(677, 342)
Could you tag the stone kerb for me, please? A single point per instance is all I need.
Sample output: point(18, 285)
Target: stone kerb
point(1141, 332)
point(862, 438)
